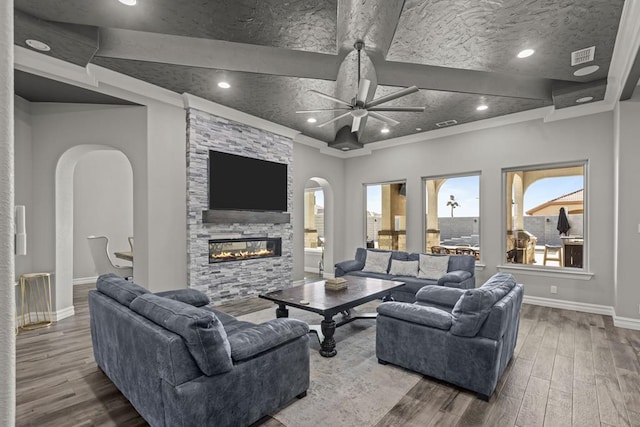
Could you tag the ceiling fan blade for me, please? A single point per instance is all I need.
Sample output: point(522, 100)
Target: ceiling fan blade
point(335, 119)
point(363, 89)
point(331, 98)
point(355, 126)
point(405, 109)
point(383, 118)
point(392, 96)
point(322, 110)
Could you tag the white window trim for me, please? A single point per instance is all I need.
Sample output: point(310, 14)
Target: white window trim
point(583, 273)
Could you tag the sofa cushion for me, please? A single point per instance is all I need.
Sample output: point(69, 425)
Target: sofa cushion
point(473, 307)
point(377, 262)
point(249, 342)
point(427, 316)
point(188, 296)
point(118, 288)
point(433, 266)
point(383, 276)
point(404, 268)
point(413, 284)
point(200, 329)
point(439, 295)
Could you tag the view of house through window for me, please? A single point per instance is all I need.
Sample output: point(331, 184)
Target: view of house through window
point(545, 215)
point(386, 216)
point(452, 209)
point(313, 218)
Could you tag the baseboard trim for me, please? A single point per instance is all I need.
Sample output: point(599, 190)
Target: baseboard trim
point(55, 315)
point(85, 280)
point(297, 282)
point(626, 322)
point(312, 270)
point(570, 305)
point(64, 313)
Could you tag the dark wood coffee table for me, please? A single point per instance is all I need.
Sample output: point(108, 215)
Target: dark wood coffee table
point(328, 303)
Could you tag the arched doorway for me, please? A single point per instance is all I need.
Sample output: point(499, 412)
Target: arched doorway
point(318, 228)
point(64, 216)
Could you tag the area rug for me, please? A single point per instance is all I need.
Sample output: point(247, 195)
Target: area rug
point(350, 389)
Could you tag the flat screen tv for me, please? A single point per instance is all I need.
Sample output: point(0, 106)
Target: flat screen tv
point(244, 183)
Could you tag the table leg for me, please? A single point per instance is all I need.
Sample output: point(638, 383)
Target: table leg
point(328, 345)
point(387, 298)
point(282, 311)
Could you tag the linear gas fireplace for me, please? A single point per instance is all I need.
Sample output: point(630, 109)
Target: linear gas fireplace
point(224, 250)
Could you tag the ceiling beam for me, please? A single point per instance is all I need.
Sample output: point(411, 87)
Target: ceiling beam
point(633, 79)
point(465, 81)
point(215, 54)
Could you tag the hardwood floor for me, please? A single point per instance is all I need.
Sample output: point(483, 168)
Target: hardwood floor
point(569, 368)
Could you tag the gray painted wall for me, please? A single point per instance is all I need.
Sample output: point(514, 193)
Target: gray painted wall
point(628, 232)
point(102, 205)
point(488, 151)
point(310, 163)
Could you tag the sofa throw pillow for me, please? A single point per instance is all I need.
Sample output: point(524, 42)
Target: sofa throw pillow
point(377, 262)
point(433, 266)
point(404, 268)
point(202, 332)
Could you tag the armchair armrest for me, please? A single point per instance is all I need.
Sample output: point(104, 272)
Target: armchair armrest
point(427, 316)
point(252, 341)
point(456, 276)
point(344, 267)
point(187, 296)
point(440, 295)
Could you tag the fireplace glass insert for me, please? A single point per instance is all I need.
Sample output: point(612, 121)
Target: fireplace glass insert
point(223, 250)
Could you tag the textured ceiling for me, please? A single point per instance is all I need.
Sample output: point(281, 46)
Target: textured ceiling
point(460, 53)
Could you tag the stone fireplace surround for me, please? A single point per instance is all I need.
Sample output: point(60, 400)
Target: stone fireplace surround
point(228, 281)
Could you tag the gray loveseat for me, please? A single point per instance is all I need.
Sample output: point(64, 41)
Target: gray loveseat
point(460, 272)
point(182, 363)
point(464, 337)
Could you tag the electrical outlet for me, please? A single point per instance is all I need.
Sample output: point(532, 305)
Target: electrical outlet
point(554, 289)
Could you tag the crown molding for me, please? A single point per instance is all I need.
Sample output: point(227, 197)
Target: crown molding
point(52, 68)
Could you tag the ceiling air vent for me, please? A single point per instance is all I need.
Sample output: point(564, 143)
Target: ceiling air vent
point(447, 123)
point(582, 56)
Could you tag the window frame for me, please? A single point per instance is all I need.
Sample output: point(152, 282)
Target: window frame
point(583, 273)
point(364, 195)
point(425, 201)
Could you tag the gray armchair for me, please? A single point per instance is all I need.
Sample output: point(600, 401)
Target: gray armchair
point(463, 336)
point(183, 363)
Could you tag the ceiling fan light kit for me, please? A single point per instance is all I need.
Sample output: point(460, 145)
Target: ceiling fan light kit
point(360, 107)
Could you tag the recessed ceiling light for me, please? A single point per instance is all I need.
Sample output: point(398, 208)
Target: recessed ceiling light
point(38, 45)
point(128, 2)
point(345, 148)
point(584, 99)
point(224, 85)
point(482, 107)
point(418, 129)
point(586, 70)
point(385, 130)
point(311, 120)
point(525, 53)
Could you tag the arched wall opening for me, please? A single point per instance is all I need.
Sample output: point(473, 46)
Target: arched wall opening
point(64, 218)
point(319, 259)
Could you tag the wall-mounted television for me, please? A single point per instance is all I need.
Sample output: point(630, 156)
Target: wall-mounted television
point(244, 183)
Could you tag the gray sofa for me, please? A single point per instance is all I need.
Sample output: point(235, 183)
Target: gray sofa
point(182, 363)
point(464, 337)
point(460, 272)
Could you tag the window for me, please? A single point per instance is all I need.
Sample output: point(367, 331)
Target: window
point(545, 209)
point(385, 216)
point(313, 218)
point(452, 214)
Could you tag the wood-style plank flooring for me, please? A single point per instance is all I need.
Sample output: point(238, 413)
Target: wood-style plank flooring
point(570, 369)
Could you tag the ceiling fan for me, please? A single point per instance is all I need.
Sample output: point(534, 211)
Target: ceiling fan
point(359, 107)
